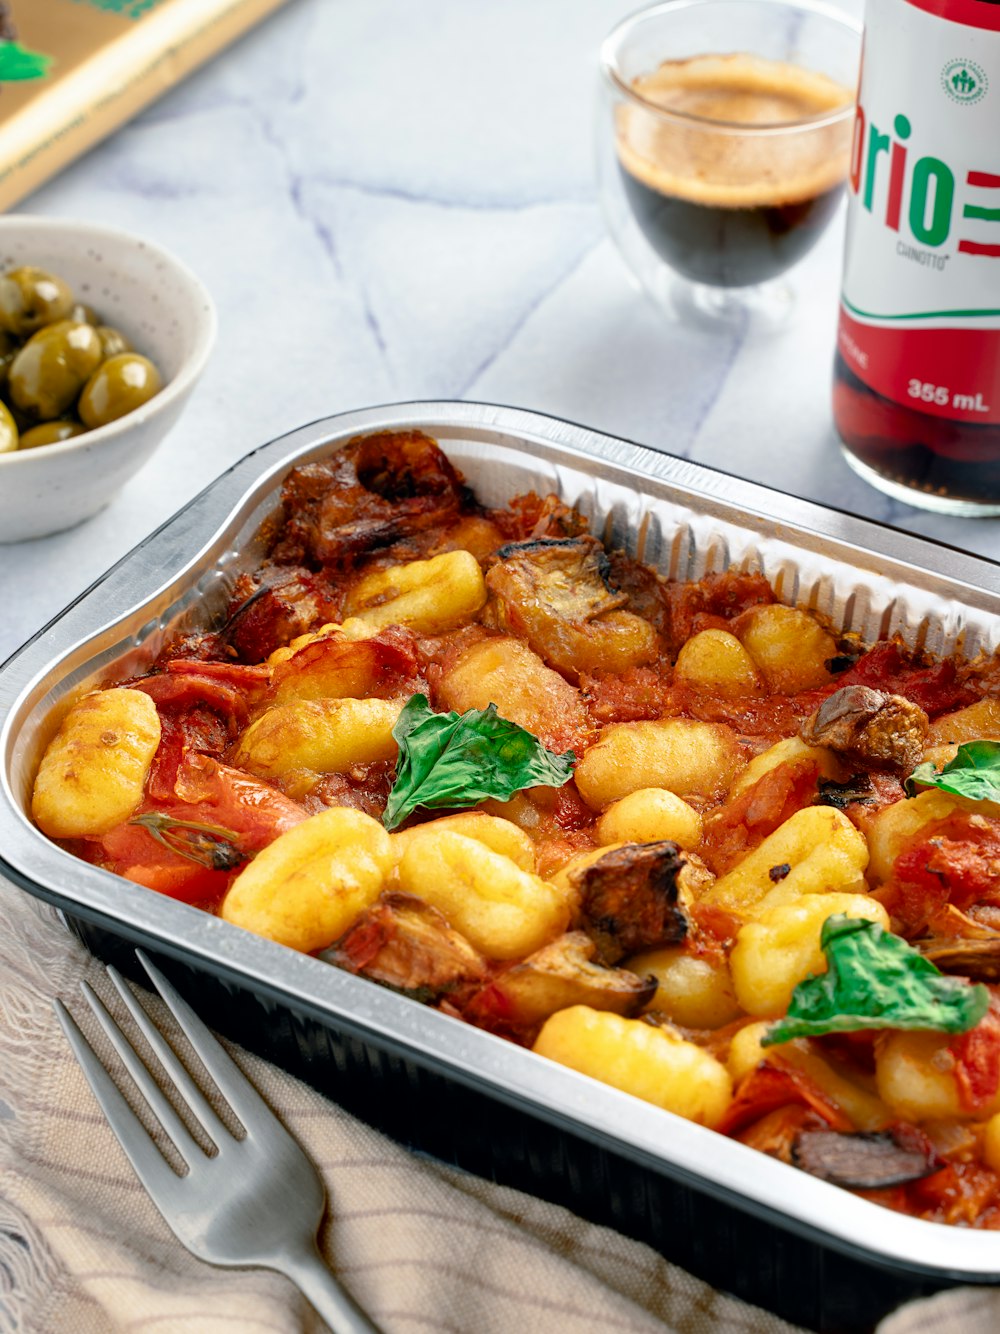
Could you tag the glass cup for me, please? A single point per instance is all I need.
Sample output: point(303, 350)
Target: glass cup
point(724, 141)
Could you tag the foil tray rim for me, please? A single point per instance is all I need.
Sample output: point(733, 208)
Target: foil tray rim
point(666, 1143)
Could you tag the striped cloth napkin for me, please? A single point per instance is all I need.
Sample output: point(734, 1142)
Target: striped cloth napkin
point(421, 1246)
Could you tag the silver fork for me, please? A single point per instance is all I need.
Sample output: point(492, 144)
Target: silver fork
point(259, 1200)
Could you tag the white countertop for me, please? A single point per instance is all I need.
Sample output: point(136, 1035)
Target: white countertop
point(393, 201)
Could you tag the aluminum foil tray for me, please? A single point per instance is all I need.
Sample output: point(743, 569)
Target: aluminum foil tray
point(747, 1223)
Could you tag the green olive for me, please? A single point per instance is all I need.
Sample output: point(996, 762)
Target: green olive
point(120, 385)
point(9, 349)
point(30, 299)
point(53, 366)
point(50, 433)
point(113, 341)
point(84, 314)
point(8, 431)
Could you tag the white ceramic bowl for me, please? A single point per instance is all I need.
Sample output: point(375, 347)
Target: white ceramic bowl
point(167, 314)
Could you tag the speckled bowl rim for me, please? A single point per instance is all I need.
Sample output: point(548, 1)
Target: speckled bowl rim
point(191, 368)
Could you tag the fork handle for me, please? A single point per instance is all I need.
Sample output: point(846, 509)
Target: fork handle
point(309, 1272)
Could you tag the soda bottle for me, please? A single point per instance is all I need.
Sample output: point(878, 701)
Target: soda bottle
point(916, 394)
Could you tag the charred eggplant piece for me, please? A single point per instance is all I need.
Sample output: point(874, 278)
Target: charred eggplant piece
point(559, 975)
point(556, 594)
point(406, 944)
point(571, 575)
point(629, 899)
point(869, 727)
point(867, 1160)
point(978, 960)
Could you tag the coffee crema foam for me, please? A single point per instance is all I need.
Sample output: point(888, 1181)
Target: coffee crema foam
point(717, 166)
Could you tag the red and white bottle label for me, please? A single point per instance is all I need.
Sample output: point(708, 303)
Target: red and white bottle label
point(920, 315)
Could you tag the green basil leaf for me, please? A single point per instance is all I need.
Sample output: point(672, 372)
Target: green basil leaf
point(876, 980)
point(18, 63)
point(452, 760)
point(974, 772)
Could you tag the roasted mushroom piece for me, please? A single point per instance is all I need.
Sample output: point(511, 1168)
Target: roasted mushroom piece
point(629, 898)
point(867, 1160)
point(559, 975)
point(975, 959)
point(556, 594)
point(869, 727)
point(406, 944)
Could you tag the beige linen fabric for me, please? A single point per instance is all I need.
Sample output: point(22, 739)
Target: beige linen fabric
point(420, 1246)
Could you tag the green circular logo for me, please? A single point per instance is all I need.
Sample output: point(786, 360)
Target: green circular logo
point(964, 81)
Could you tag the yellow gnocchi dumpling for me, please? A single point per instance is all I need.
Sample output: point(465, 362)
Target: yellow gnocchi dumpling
point(495, 833)
point(307, 887)
point(773, 954)
point(654, 1064)
point(319, 736)
point(430, 596)
point(502, 910)
point(818, 850)
point(93, 774)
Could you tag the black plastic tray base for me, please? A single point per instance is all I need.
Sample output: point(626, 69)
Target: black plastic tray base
point(795, 1277)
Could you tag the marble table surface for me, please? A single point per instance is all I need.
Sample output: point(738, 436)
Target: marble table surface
point(392, 201)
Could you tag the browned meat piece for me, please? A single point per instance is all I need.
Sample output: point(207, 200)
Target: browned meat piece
point(366, 787)
point(373, 492)
point(867, 1160)
point(555, 593)
point(869, 727)
point(975, 959)
point(534, 516)
point(628, 899)
point(274, 606)
point(404, 943)
point(553, 978)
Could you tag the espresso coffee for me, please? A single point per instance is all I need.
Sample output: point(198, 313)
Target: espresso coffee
point(723, 207)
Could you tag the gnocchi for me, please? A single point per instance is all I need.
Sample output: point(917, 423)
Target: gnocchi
point(716, 660)
point(778, 950)
point(782, 752)
point(499, 835)
point(644, 921)
point(654, 1064)
point(693, 991)
point(93, 774)
point(504, 911)
point(431, 596)
point(307, 887)
point(790, 648)
point(694, 760)
point(319, 736)
point(507, 673)
point(821, 850)
point(649, 814)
